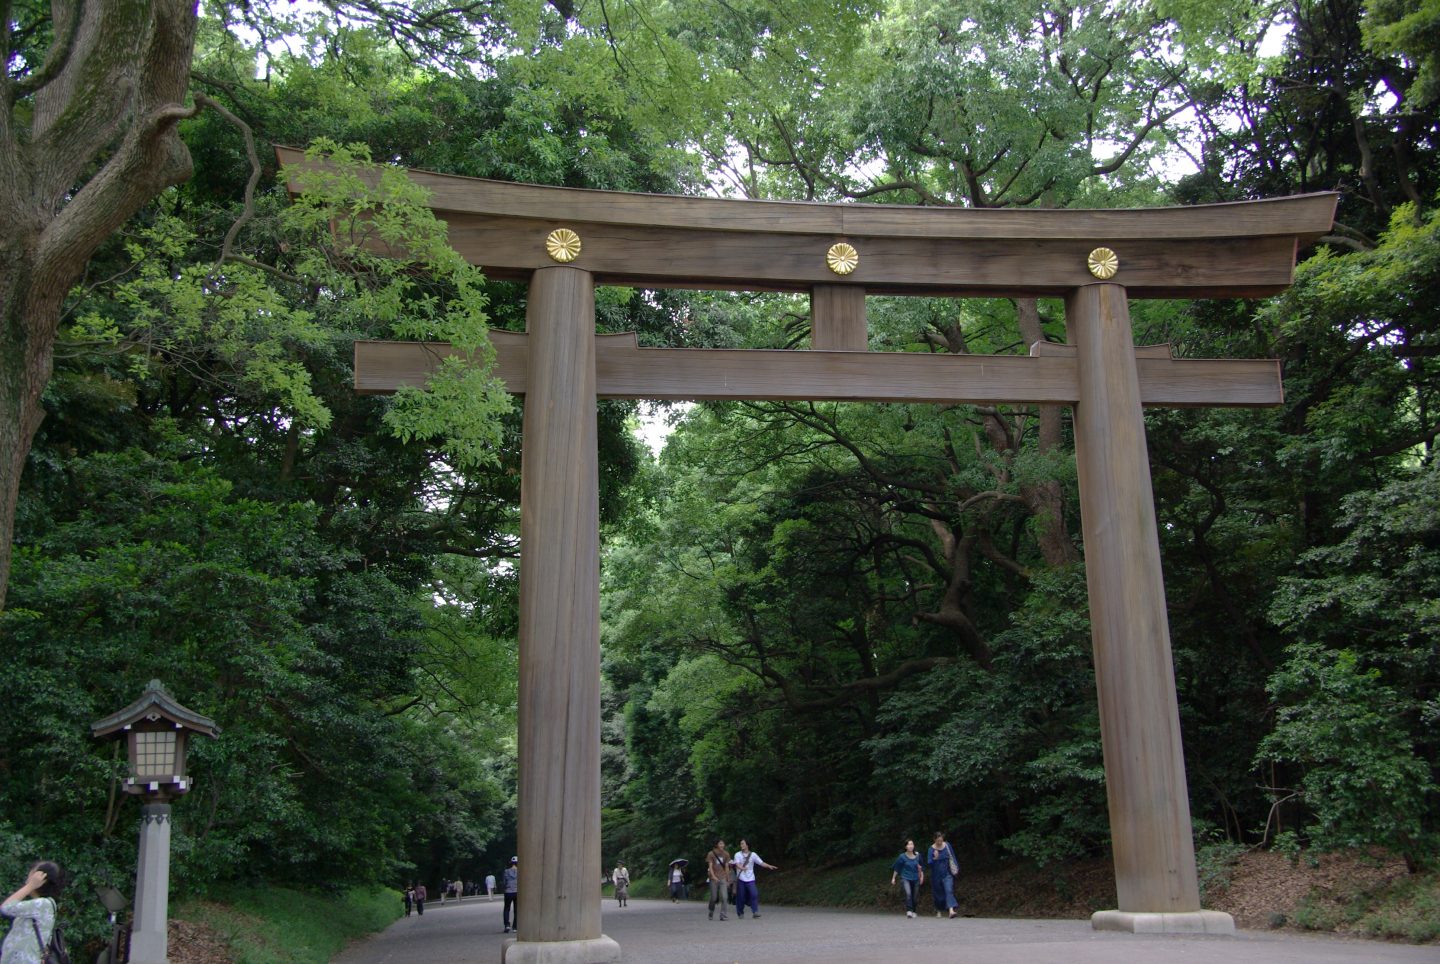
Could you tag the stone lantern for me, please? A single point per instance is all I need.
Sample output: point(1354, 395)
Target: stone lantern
point(157, 731)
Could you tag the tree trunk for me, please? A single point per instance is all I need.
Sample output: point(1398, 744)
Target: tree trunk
point(24, 369)
point(1046, 500)
point(106, 100)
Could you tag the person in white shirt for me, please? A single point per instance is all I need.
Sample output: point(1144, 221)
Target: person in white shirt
point(622, 883)
point(677, 882)
point(746, 860)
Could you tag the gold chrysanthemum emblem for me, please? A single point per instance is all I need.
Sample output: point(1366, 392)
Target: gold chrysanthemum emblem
point(562, 245)
point(1103, 263)
point(842, 258)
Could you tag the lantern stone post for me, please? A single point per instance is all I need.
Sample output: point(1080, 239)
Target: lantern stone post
point(156, 730)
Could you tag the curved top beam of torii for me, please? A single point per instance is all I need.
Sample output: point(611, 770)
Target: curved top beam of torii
point(1244, 249)
point(1224, 250)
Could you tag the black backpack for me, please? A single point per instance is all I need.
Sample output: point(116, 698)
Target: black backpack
point(54, 952)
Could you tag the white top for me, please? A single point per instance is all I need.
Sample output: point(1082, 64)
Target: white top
point(21, 946)
point(676, 875)
point(745, 864)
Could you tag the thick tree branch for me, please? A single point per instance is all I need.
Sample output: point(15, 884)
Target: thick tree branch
point(859, 689)
point(56, 59)
point(248, 211)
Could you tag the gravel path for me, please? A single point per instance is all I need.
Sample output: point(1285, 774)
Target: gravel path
point(658, 932)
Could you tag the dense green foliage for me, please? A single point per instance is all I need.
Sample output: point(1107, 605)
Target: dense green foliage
point(329, 577)
point(285, 925)
point(842, 626)
point(826, 627)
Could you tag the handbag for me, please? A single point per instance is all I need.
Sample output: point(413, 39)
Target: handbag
point(954, 866)
point(53, 952)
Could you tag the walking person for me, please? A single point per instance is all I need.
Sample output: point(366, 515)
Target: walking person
point(910, 870)
point(677, 880)
point(717, 872)
point(490, 885)
point(33, 912)
point(943, 868)
point(732, 887)
point(621, 876)
point(748, 894)
point(420, 894)
point(409, 899)
point(511, 882)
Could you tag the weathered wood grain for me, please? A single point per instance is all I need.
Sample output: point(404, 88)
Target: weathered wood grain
point(558, 809)
point(1305, 216)
point(656, 257)
point(1224, 250)
point(1139, 717)
point(624, 370)
point(837, 318)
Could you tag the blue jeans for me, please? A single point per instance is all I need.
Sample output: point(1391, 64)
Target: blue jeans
point(749, 894)
point(942, 889)
point(911, 889)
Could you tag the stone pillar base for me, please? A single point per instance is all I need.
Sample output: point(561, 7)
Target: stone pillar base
point(1184, 922)
point(601, 950)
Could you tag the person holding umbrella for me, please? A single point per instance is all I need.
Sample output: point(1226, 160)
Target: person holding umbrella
point(677, 879)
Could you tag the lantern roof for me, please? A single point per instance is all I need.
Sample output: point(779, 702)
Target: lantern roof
point(153, 705)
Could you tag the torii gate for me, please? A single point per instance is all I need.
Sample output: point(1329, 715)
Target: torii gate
point(566, 241)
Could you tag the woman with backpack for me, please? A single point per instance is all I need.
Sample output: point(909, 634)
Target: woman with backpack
point(32, 912)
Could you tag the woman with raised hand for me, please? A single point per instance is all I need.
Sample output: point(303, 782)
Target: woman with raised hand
point(745, 863)
point(32, 911)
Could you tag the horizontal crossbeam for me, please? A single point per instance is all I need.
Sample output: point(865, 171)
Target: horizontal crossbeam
point(625, 370)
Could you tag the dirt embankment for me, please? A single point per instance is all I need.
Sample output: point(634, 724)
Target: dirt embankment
point(1357, 893)
point(1260, 889)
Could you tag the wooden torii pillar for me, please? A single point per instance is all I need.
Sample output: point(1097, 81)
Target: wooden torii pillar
point(565, 241)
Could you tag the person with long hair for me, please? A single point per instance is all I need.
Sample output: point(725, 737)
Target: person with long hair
point(909, 869)
point(33, 912)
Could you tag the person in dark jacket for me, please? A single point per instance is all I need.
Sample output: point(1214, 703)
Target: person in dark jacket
point(512, 896)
